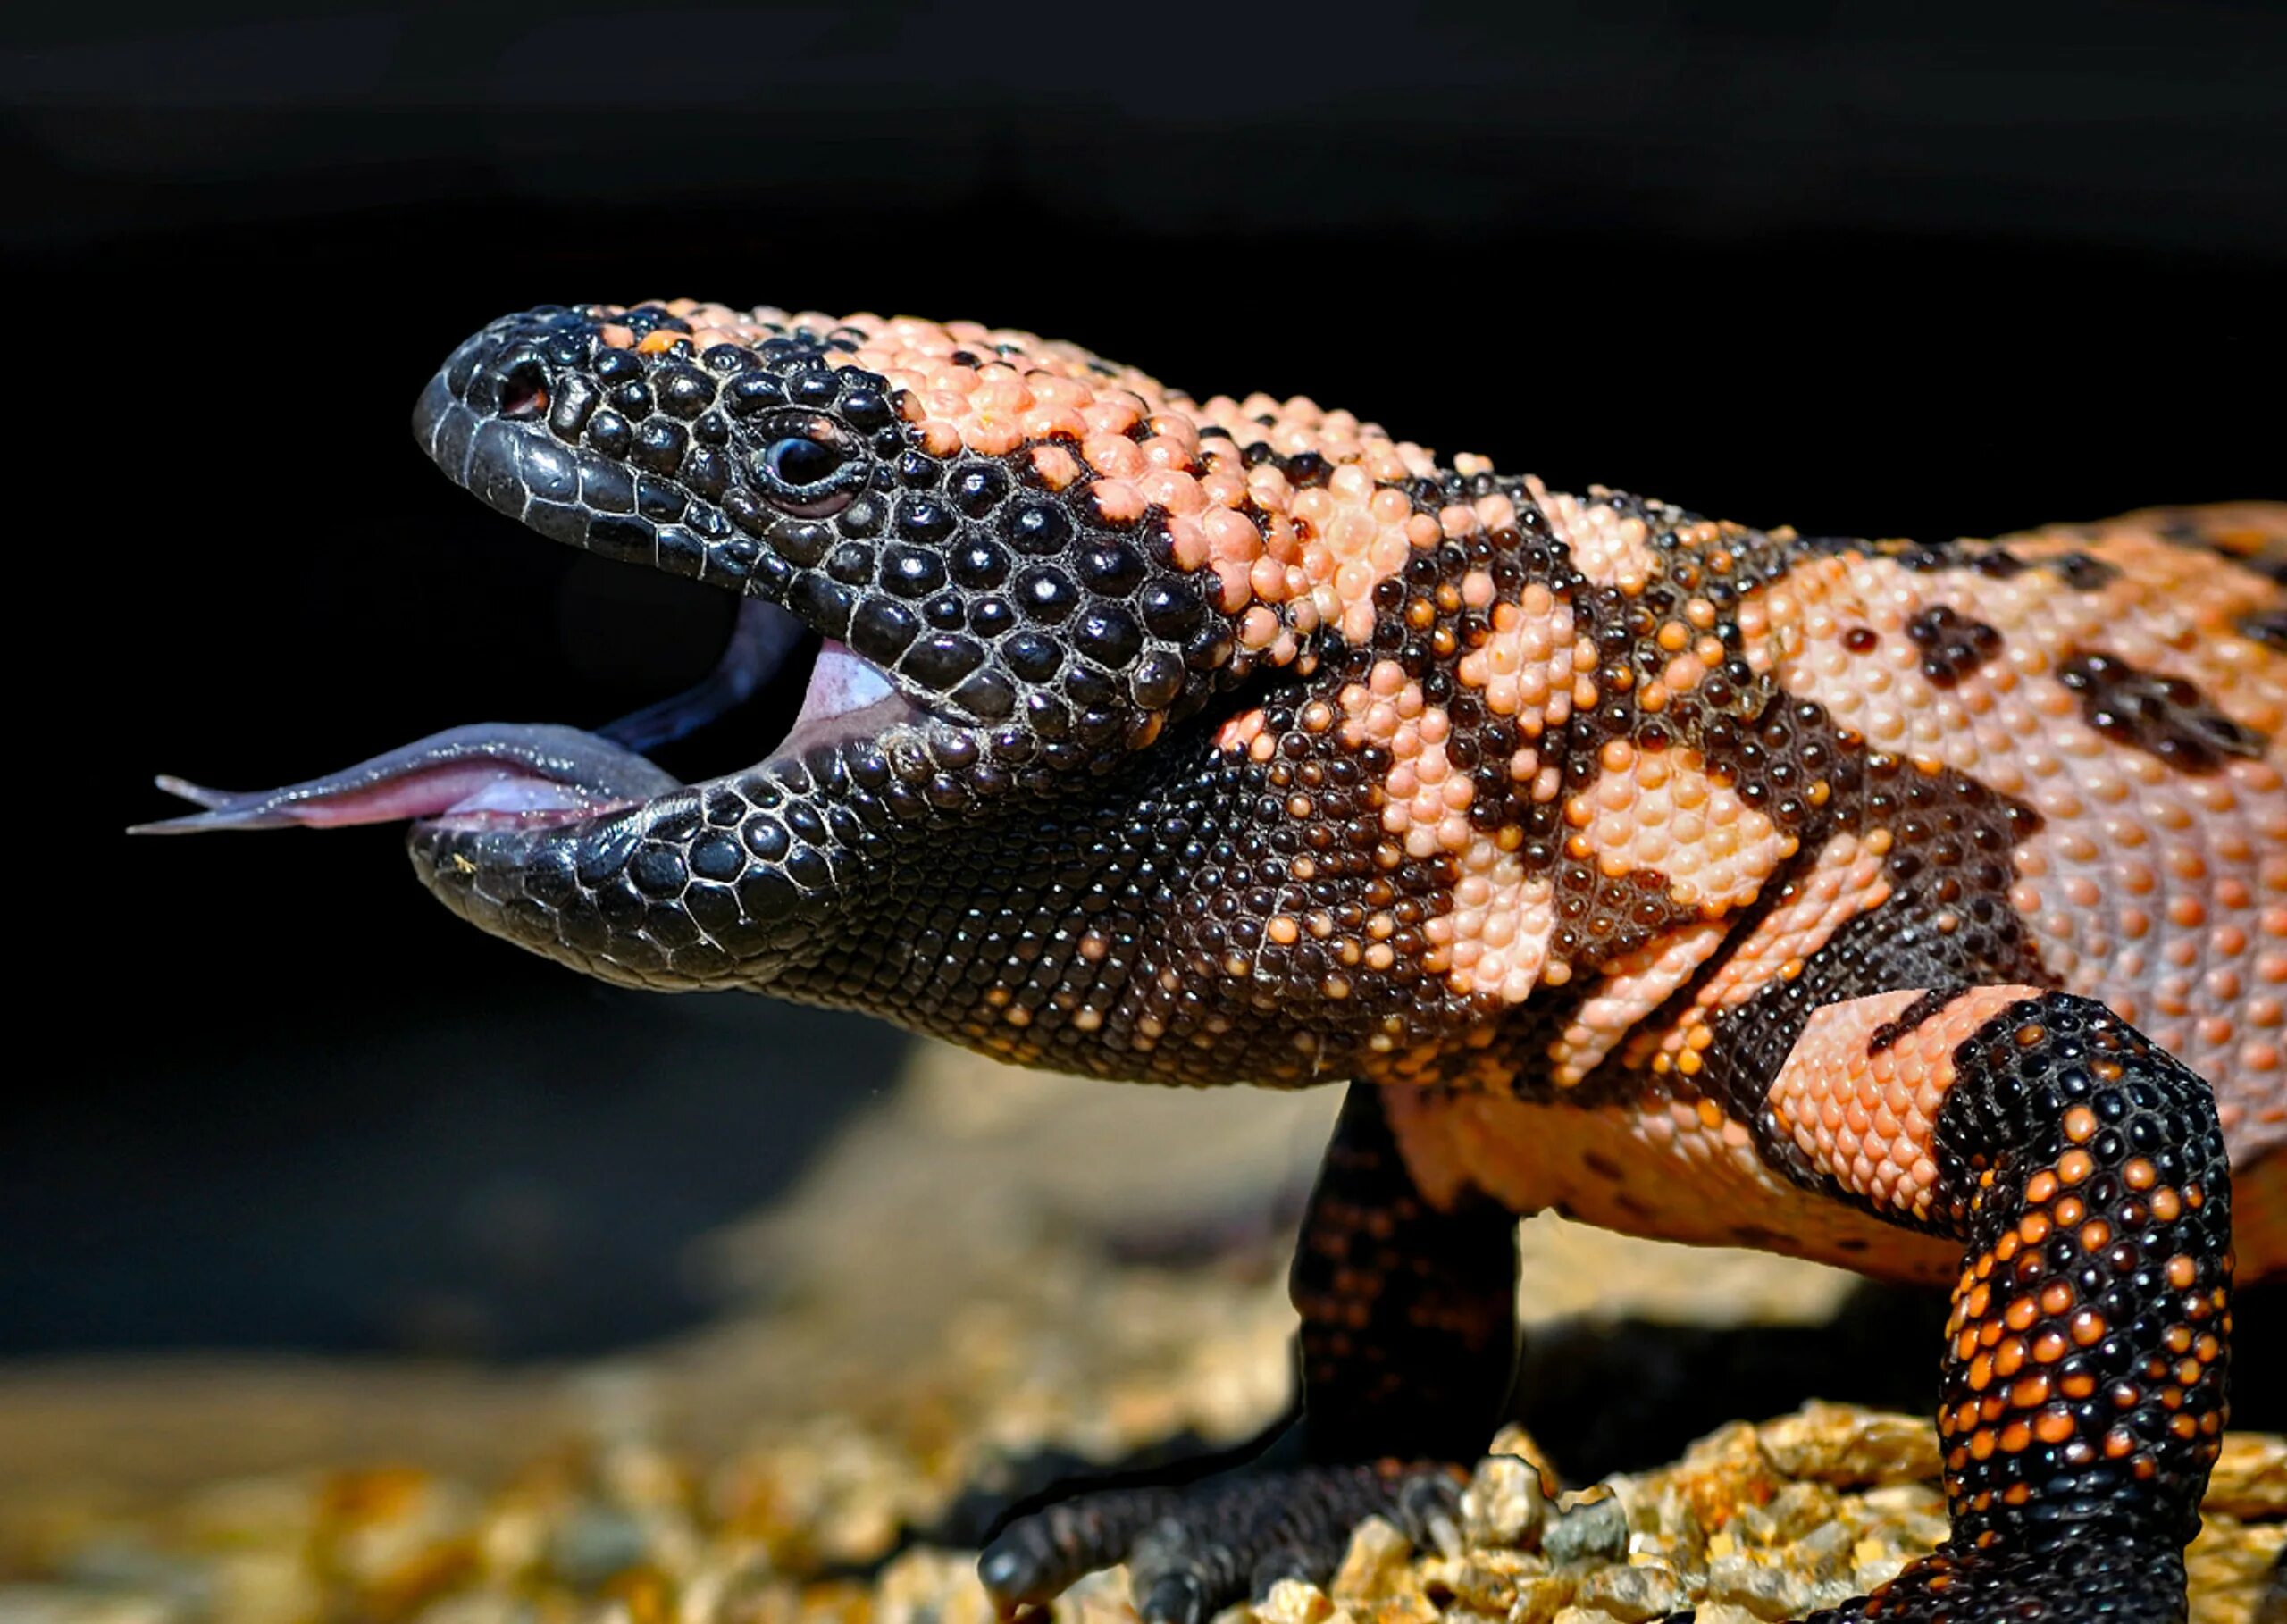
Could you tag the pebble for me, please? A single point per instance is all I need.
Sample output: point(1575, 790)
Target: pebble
point(1635, 1593)
point(651, 1537)
point(1295, 1601)
point(1841, 1443)
point(71, 1605)
point(1766, 1589)
point(1504, 1504)
point(611, 1520)
point(594, 1543)
point(1378, 1566)
point(1586, 1529)
point(1541, 1598)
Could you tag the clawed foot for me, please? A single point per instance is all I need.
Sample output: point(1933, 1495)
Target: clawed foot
point(1195, 1550)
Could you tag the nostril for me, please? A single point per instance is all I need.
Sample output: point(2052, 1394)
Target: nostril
point(524, 389)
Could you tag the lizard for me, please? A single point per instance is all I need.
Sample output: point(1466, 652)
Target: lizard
point(1914, 907)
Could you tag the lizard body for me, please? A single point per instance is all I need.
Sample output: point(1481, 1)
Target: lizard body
point(1920, 908)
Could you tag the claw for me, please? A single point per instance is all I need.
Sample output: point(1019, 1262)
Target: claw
point(1036, 1557)
point(1429, 1509)
point(1175, 1598)
point(1194, 1550)
point(1286, 1563)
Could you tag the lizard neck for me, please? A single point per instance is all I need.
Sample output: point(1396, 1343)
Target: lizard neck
point(1413, 857)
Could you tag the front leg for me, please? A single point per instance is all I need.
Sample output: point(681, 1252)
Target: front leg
point(1407, 1347)
point(2084, 1392)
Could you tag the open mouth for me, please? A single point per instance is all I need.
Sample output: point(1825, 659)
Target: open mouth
point(923, 626)
point(494, 419)
point(525, 775)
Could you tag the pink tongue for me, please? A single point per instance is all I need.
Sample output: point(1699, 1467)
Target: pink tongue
point(498, 773)
point(485, 774)
point(430, 792)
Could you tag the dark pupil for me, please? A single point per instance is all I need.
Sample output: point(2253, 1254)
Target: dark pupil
point(802, 462)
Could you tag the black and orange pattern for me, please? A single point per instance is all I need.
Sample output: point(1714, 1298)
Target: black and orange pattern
point(1864, 899)
point(2083, 1395)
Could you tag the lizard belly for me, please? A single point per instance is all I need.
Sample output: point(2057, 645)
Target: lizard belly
point(2259, 1216)
point(1654, 1167)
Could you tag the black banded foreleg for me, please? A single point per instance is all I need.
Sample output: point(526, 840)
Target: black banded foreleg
point(2084, 1384)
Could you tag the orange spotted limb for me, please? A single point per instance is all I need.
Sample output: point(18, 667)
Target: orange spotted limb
point(1859, 1094)
point(2083, 1169)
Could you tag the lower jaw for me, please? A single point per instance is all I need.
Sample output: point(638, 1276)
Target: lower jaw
point(723, 883)
point(575, 847)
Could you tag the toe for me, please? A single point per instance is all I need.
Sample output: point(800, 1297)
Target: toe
point(1037, 1557)
point(1195, 1551)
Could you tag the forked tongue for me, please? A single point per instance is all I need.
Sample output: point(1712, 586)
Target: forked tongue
point(487, 772)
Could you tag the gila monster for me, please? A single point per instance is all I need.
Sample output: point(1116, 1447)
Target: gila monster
point(1916, 908)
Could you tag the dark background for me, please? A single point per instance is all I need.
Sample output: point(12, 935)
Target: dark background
point(1927, 271)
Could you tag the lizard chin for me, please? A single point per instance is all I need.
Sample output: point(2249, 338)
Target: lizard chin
point(534, 776)
point(576, 846)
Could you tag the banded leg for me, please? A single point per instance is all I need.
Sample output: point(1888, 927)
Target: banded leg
point(2084, 1375)
point(1406, 1350)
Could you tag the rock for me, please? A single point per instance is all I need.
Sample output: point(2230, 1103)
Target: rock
point(1793, 1511)
point(594, 1543)
point(1483, 1581)
point(1378, 1567)
point(1826, 1551)
point(474, 1609)
point(1667, 1523)
point(1635, 1592)
point(932, 1587)
point(1843, 1444)
point(1586, 1530)
point(123, 1565)
point(966, 1320)
point(1540, 1598)
point(72, 1604)
point(2232, 1566)
point(1503, 1504)
point(1514, 1440)
point(1295, 1601)
point(1766, 1589)
point(2250, 1477)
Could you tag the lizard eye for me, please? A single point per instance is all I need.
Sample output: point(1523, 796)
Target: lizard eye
point(809, 466)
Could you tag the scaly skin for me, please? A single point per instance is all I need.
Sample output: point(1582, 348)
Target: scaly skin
point(1916, 909)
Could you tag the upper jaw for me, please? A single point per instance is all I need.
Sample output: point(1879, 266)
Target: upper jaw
point(504, 417)
point(549, 418)
point(533, 467)
point(515, 416)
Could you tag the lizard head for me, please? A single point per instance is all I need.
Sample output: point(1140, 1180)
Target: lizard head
point(901, 489)
point(999, 570)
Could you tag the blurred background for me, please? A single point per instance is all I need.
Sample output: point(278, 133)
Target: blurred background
point(1939, 270)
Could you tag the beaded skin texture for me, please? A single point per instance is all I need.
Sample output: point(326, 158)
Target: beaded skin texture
point(1917, 908)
